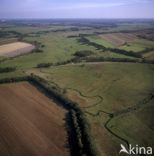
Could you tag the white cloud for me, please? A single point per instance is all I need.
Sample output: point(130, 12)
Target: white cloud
point(86, 6)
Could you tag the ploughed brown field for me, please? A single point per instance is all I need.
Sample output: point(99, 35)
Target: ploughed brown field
point(118, 39)
point(31, 124)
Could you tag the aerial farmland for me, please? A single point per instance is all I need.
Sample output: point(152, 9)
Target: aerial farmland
point(75, 87)
point(16, 48)
point(29, 122)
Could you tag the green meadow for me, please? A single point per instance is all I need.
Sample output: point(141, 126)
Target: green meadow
point(121, 86)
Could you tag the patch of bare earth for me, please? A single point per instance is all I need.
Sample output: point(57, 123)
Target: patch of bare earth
point(118, 39)
point(31, 124)
point(16, 48)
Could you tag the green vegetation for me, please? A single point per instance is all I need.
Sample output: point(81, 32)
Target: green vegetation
point(101, 42)
point(83, 53)
point(6, 70)
point(57, 49)
point(107, 89)
point(12, 74)
point(121, 86)
point(138, 45)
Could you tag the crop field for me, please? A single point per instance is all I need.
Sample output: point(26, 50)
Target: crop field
point(105, 66)
point(17, 48)
point(110, 88)
point(148, 34)
point(126, 41)
point(118, 39)
point(30, 123)
point(57, 49)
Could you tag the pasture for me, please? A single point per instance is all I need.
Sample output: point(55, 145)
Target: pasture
point(138, 45)
point(149, 56)
point(16, 48)
point(126, 41)
point(30, 123)
point(116, 97)
point(109, 88)
point(7, 40)
point(57, 49)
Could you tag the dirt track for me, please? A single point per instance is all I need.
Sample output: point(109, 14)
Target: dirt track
point(30, 123)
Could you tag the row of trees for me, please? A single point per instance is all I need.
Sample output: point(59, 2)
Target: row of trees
point(44, 65)
point(4, 34)
point(83, 53)
point(14, 79)
point(8, 69)
point(84, 40)
point(77, 133)
point(85, 140)
point(102, 59)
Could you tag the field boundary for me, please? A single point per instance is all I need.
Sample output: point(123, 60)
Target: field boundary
point(88, 147)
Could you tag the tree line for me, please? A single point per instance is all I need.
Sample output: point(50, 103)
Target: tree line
point(7, 69)
point(84, 40)
point(86, 145)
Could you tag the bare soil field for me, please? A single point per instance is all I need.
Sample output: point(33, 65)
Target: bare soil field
point(16, 48)
point(118, 39)
point(30, 123)
point(148, 34)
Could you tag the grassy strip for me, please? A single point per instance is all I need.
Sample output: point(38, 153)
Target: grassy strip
point(146, 50)
point(94, 59)
point(78, 59)
point(102, 59)
point(14, 79)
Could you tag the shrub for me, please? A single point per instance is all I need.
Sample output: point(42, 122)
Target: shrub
point(8, 69)
point(44, 65)
point(83, 53)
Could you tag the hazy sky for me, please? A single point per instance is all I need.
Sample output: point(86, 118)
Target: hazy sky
point(76, 8)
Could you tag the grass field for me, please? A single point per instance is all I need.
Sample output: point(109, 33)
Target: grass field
point(101, 41)
point(138, 45)
point(121, 86)
point(31, 124)
point(117, 98)
point(7, 40)
point(12, 74)
point(13, 49)
point(149, 56)
point(126, 41)
point(57, 49)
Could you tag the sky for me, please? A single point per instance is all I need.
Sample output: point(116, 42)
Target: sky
point(76, 8)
